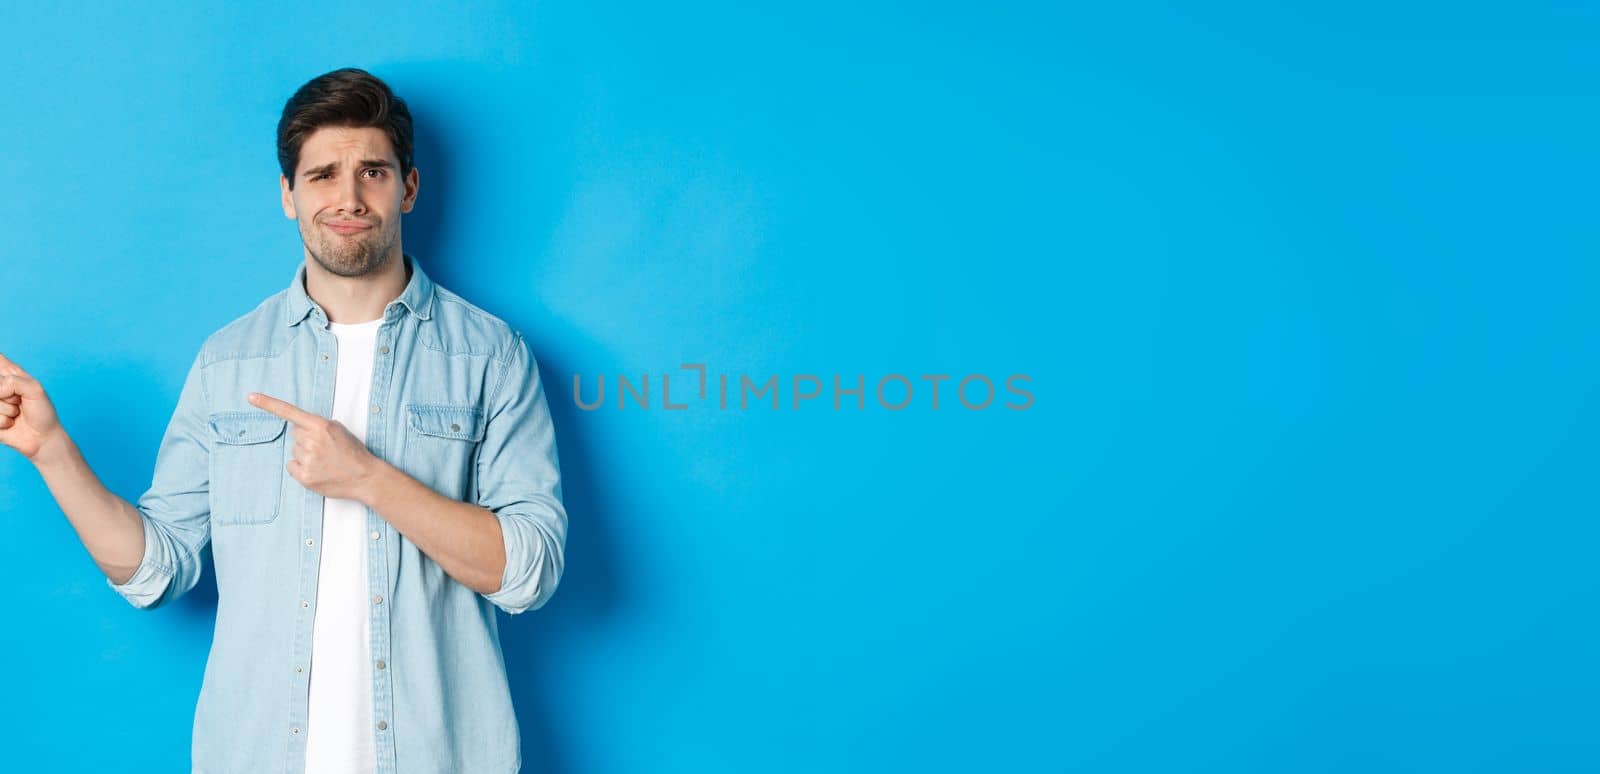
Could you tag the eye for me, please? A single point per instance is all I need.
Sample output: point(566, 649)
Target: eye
point(375, 169)
point(320, 176)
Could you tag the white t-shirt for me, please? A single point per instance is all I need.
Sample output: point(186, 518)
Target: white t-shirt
point(339, 733)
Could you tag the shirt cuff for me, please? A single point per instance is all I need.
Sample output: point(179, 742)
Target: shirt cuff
point(519, 584)
point(154, 574)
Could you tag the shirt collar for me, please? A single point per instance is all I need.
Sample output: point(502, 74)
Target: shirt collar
point(417, 297)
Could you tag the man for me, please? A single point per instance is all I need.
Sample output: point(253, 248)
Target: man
point(371, 459)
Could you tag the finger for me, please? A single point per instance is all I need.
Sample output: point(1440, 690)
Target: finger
point(6, 422)
point(20, 387)
point(8, 410)
point(289, 411)
point(8, 368)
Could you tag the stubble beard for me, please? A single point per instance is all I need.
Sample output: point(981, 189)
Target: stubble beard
point(351, 255)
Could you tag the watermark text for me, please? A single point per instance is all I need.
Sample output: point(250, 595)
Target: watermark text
point(893, 392)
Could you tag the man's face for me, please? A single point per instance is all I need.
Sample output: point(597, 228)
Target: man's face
point(348, 197)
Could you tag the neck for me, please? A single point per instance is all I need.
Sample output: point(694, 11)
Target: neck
point(356, 299)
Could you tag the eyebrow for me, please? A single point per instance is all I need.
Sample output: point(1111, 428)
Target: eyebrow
point(383, 163)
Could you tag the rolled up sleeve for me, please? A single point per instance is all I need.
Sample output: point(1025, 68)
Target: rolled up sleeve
point(519, 479)
point(176, 509)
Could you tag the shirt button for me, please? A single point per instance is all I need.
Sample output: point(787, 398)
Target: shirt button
point(294, 730)
point(298, 669)
point(455, 428)
point(310, 542)
point(380, 664)
point(304, 603)
point(324, 356)
point(375, 535)
point(377, 599)
point(374, 408)
point(382, 725)
point(384, 349)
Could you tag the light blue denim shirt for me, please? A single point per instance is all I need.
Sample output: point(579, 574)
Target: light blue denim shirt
point(457, 403)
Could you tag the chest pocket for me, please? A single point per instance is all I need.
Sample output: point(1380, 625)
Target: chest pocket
point(441, 445)
point(246, 467)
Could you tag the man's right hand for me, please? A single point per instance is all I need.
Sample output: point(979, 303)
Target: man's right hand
point(28, 421)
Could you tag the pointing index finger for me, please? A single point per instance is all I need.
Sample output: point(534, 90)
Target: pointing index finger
point(8, 368)
point(296, 415)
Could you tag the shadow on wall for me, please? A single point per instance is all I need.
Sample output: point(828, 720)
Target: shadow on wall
point(453, 105)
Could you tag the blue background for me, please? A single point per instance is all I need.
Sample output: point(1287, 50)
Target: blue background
point(1307, 298)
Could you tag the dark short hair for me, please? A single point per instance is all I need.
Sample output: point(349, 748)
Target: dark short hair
point(348, 97)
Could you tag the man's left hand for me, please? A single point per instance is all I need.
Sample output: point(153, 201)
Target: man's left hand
point(328, 459)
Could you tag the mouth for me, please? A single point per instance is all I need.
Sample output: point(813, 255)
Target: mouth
point(347, 228)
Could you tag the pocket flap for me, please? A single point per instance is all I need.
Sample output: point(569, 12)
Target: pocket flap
point(463, 423)
point(246, 427)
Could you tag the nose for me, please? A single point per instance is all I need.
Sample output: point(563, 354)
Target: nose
point(350, 196)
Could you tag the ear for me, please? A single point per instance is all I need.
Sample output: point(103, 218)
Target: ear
point(410, 199)
point(288, 199)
